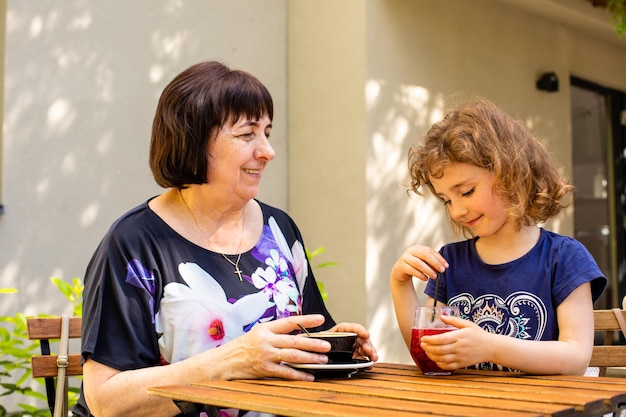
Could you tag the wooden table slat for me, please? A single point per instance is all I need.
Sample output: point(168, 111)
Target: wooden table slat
point(610, 383)
point(591, 387)
point(484, 388)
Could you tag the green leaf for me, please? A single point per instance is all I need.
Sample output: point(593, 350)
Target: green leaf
point(326, 264)
point(313, 254)
point(63, 286)
point(617, 8)
point(320, 286)
point(316, 252)
point(73, 292)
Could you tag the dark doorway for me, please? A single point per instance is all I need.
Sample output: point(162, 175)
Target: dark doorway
point(599, 153)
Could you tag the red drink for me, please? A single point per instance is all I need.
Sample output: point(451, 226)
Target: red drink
point(422, 360)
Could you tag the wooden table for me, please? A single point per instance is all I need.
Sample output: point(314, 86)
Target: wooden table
point(395, 390)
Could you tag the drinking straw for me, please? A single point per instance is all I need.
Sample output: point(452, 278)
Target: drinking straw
point(436, 295)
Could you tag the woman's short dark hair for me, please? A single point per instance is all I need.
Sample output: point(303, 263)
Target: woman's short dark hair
point(191, 110)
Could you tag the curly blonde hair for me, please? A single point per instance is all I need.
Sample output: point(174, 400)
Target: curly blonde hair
point(481, 134)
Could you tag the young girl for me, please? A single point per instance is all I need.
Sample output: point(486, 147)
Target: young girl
point(525, 294)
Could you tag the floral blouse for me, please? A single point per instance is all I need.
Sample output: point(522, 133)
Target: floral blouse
point(152, 297)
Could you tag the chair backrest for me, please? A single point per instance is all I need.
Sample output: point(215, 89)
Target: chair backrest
point(611, 322)
point(45, 366)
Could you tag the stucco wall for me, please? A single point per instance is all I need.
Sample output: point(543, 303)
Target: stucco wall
point(82, 81)
point(327, 126)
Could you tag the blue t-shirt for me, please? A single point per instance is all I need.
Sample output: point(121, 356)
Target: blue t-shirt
point(519, 298)
point(152, 297)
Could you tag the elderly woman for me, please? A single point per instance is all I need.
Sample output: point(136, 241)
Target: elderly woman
point(203, 281)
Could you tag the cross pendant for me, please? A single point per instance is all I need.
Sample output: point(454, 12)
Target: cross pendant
point(238, 272)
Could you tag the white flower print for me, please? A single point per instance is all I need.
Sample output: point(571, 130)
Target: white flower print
point(295, 255)
point(196, 317)
point(282, 291)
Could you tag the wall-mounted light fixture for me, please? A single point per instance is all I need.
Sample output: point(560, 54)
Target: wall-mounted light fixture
point(548, 82)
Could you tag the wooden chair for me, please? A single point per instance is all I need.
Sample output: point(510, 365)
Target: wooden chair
point(47, 365)
point(612, 323)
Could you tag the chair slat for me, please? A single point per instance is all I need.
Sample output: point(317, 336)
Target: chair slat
point(50, 327)
point(46, 366)
point(605, 320)
point(607, 355)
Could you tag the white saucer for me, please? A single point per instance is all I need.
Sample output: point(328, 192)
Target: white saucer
point(330, 366)
point(332, 370)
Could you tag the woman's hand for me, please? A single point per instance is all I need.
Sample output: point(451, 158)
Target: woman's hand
point(418, 261)
point(363, 348)
point(259, 352)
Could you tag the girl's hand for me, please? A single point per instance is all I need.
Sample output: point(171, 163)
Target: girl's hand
point(363, 348)
point(466, 346)
point(418, 261)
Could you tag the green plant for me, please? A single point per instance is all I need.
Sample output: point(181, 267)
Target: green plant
point(617, 8)
point(15, 353)
point(73, 292)
point(313, 254)
point(16, 350)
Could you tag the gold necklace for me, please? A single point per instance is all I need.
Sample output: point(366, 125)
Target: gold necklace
point(243, 228)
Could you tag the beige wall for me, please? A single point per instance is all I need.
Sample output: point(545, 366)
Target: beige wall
point(3, 13)
point(327, 125)
point(81, 84)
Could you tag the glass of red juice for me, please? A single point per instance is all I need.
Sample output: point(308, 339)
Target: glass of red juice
point(428, 322)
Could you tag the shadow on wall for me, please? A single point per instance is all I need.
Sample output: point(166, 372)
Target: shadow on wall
point(79, 102)
point(396, 219)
